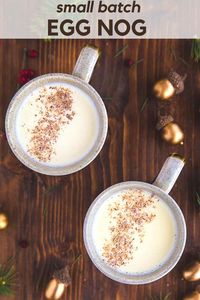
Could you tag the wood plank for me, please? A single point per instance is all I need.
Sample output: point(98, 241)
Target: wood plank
point(48, 212)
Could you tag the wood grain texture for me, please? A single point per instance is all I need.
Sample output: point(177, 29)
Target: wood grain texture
point(49, 211)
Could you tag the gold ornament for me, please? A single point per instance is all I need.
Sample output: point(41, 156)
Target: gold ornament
point(163, 89)
point(193, 296)
point(3, 221)
point(172, 134)
point(170, 131)
point(166, 88)
point(192, 272)
point(54, 290)
point(57, 285)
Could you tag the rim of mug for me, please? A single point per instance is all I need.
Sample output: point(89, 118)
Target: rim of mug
point(142, 278)
point(36, 166)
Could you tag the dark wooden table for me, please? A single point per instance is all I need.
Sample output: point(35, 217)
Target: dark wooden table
point(48, 212)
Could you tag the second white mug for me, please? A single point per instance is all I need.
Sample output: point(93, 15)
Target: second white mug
point(134, 232)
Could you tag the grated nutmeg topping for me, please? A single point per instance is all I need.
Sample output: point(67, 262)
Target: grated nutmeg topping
point(56, 112)
point(130, 213)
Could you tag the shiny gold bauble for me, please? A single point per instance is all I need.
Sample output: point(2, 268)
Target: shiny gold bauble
point(163, 90)
point(3, 221)
point(54, 290)
point(172, 133)
point(192, 272)
point(193, 296)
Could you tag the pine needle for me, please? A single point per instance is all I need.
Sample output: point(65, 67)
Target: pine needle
point(198, 198)
point(121, 50)
point(177, 57)
point(184, 61)
point(161, 297)
point(76, 260)
point(144, 104)
point(45, 212)
point(7, 278)
point(137, 62)
point(173, 53)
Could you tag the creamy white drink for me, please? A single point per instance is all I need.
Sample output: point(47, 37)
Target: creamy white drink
point(134, 231)
point(57, 124)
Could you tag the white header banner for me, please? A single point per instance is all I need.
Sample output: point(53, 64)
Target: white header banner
point(103, 19)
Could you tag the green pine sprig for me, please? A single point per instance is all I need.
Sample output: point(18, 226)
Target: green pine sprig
point(7, 278)
point(195, 52)
point(161, 297)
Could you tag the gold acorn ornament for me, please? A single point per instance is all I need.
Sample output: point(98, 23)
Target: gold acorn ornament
point(166, 88)
point(58, 284)
point(194, 295)
point(3, 221)
point(169, 130)
point(192, 271)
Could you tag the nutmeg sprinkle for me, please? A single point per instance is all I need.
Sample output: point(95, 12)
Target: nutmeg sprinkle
point(55, 112)
point(130, 214)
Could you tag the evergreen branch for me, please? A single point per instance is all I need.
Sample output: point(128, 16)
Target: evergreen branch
point(7, 278)
point(195, 52)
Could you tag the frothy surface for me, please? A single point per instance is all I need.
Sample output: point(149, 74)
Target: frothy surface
point(57, 124)
point(134, 231)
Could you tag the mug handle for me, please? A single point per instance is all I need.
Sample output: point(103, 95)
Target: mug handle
point(86, 62)
point(169, 172)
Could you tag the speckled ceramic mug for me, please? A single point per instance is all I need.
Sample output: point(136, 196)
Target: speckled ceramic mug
point(80, 78)
point(160, 188)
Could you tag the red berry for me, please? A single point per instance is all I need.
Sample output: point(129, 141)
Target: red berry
point(23, 79)
point(128, 62)
point(32, 53)
point(23, 72)
point(31, 73)
point(26, 75)
point(23, 243)
point(27, 72)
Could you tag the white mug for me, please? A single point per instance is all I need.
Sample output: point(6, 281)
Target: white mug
point(80, 78)
point(161, 187)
